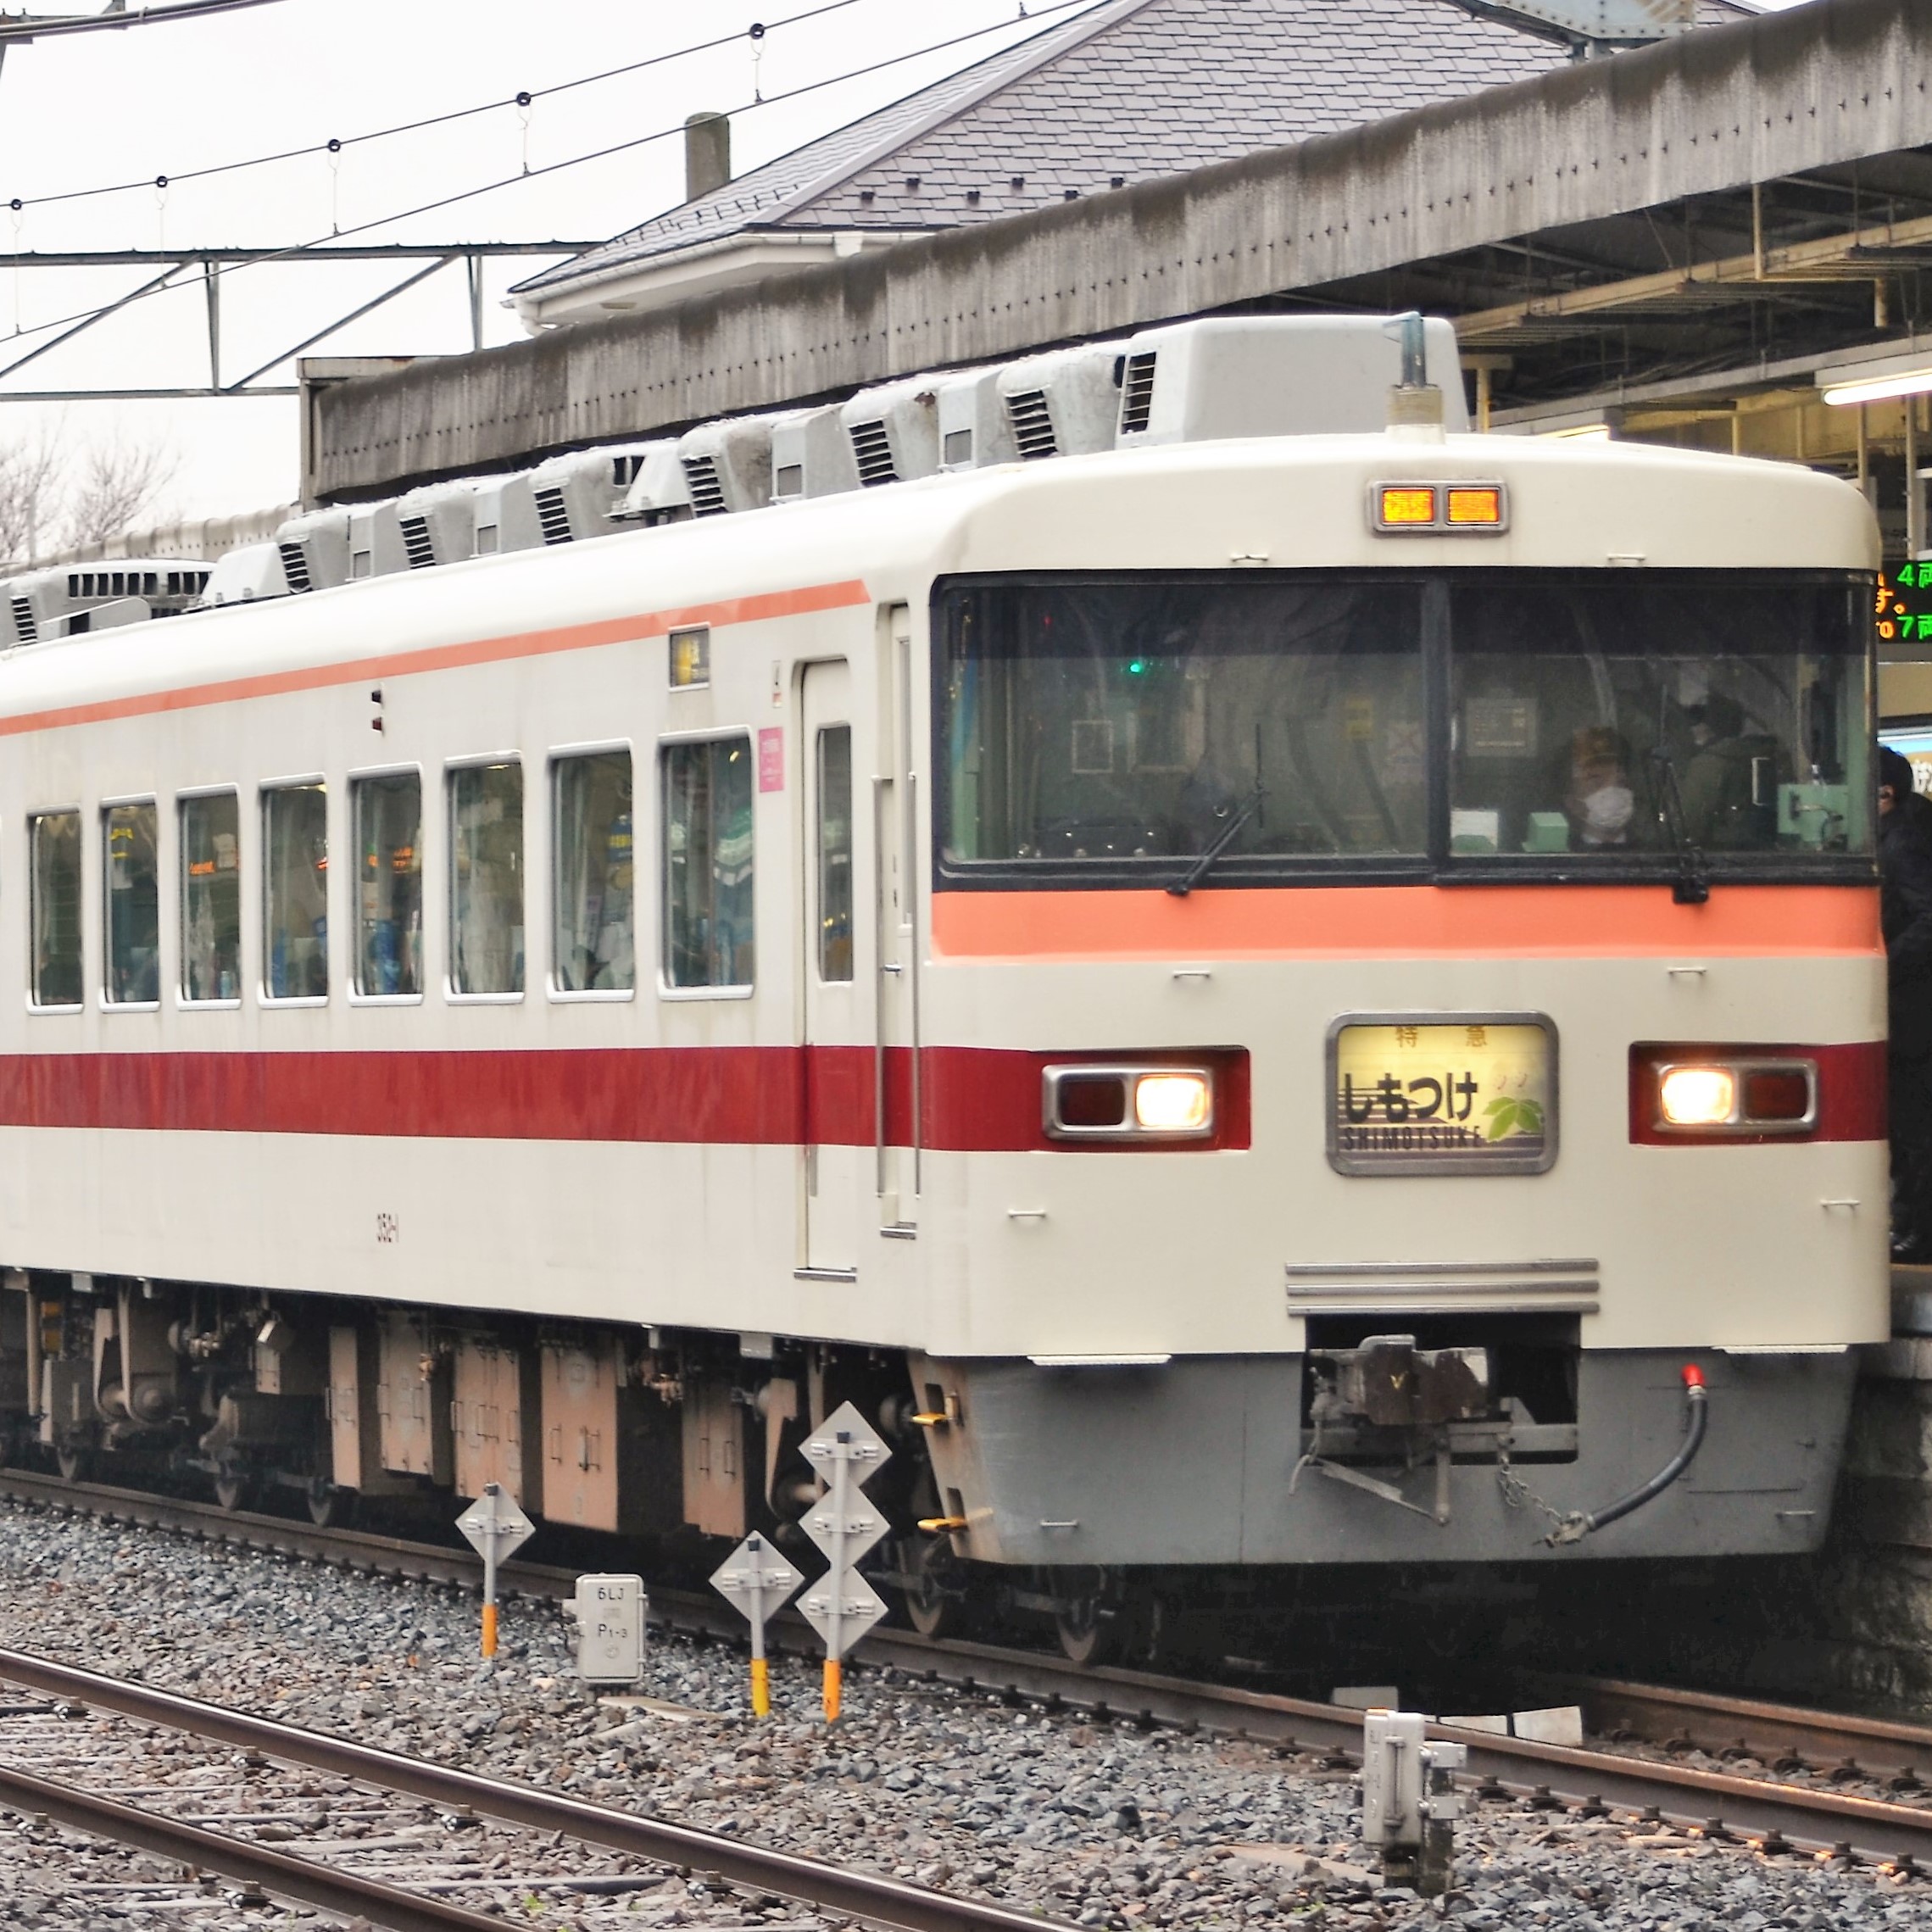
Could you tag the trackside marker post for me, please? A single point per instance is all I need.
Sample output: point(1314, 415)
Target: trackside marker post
point(848, 1452)
point(495, 1528)
point(757, 1582)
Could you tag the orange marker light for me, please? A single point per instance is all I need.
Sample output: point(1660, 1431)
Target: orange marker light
point(1402, 505)
point(1482, 503)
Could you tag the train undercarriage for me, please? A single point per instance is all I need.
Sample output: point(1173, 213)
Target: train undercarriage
point(677, 1441)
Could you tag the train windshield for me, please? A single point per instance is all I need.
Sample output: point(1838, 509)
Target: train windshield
point(1406, 724)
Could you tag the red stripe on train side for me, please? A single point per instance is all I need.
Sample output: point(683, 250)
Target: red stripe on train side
point(449, 657)
point(971, 1099)
point(1408, 922)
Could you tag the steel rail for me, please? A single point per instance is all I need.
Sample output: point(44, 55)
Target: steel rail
point(1775, 1733)
point(347, 1893)
point(1761, 1808)
point(856, 1895)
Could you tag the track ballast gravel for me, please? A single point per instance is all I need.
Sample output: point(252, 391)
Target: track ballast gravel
point(1101, 1825)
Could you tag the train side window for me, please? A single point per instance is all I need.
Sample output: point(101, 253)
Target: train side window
point(389, 886)
point(211, 899)
point(295, 899)
point(708, 927)
point(130, 837)
point(593, 865)
point(486, 879)
point(835, 854)
point(55, 837)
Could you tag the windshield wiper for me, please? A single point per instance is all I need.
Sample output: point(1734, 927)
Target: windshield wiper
point(1223, 840)
point(1692, 885)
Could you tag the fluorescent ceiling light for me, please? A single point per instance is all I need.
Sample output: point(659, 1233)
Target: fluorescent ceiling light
point(1879, 388)
point(1583, 433)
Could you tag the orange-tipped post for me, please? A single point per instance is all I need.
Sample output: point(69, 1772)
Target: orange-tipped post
point(489, 1629)
point(833, 1676)
point(760, 1688)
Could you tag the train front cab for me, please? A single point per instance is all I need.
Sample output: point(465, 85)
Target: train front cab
point(1522, 919)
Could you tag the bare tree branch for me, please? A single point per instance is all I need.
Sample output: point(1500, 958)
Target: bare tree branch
point(118, 482)
point(31, 475)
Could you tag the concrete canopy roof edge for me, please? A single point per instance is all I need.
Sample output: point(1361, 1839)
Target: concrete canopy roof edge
point(1821, 84)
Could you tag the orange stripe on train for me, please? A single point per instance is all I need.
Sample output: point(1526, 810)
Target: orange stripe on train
point(1366, 922)
point(448, 657)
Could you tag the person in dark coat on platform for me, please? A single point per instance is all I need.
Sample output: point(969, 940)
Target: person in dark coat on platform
point(1905, 867)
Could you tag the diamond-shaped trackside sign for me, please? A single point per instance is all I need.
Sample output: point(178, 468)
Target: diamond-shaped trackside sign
point(494, 1517)
point(845, 1436)
point(844, 1535)
point(755, 1579)
point(858, 1605)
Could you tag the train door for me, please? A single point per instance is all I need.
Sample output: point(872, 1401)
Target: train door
point(838, 1067)
point(896, 1083)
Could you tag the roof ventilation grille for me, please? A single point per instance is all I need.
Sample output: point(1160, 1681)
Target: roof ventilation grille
point(1032, 428)
point(24, 626)
point(295, 567)
point(416, 545)
point(552, 516)
point(1137, 393)
point(873, 453)
point(707, 492)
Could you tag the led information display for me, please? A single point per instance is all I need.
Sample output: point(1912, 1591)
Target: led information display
point(1905, 604)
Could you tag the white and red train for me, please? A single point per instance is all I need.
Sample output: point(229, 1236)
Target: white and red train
point(1259, 1001)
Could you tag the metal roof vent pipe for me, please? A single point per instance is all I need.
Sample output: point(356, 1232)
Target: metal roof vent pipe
point(1415, 403)
point(707, 154)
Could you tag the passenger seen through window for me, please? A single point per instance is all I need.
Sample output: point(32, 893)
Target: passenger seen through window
point(708, 864)
point(486, 871)
point(389, 885)
point(295, 905)
point(596, 945)
point(55, 838)
point(211, 898)
point(134, 904)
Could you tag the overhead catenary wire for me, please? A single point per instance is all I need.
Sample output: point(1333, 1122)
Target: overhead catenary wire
point(13, 32)
point(523, 99)
point(295, 250)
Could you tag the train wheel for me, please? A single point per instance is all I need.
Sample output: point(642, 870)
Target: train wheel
point(932, 1602)
point(1085, 1623)
point(328, 1508)
point(233, 1486)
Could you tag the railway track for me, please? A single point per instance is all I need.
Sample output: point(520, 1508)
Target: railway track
point(879, 1900)
point(1769, 1810)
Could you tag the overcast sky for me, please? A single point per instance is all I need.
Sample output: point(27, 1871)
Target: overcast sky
point(91, 109)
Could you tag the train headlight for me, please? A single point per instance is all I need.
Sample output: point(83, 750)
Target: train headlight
point(1706, 1093)
point(1697, 1096)
point(1173, 1103)
point(1126, 1103)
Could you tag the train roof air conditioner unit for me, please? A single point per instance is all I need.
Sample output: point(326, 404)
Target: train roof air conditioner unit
point(727, 466)
point(894, 431)
point(70, 600)
point(811, 454)
point(659, 492)
point(438, 522)
point(73, 600)
point(970, 419)
point(314, 549)
point(1062, 403)
point(1272, 376)
point(575, 496)
point(244, 575)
